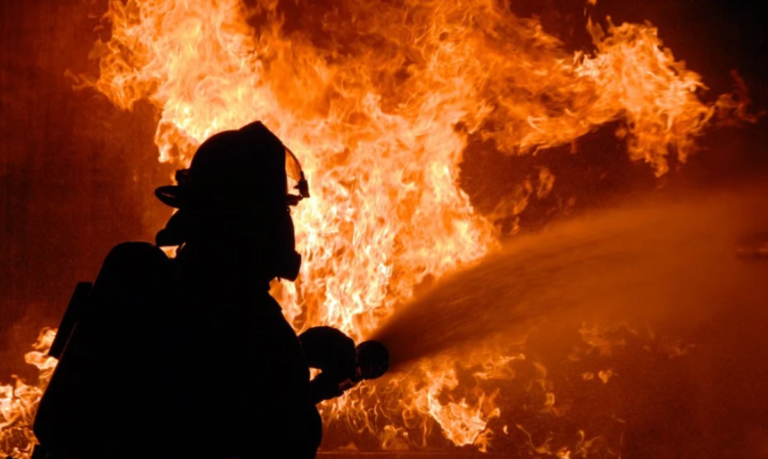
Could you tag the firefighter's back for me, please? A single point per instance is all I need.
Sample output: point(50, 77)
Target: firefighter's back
point(99, 391)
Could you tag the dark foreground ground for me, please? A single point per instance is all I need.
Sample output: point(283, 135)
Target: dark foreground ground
point(408, 455)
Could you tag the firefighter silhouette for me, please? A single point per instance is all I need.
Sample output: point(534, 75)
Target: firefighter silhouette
point(190, 357)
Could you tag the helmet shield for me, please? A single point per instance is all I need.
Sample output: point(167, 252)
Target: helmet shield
point(295, 179)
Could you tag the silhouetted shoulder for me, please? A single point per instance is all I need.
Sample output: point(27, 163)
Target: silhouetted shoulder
point(132, 265)
point(134, 254)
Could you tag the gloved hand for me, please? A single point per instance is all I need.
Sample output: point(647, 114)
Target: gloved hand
point(331, 351)
point(325, 386)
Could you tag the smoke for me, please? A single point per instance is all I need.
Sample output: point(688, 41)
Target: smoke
point(675, 262)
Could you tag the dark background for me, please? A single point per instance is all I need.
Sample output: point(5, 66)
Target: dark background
point(77, 174)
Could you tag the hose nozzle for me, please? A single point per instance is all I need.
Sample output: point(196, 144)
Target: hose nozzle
point(372, 360)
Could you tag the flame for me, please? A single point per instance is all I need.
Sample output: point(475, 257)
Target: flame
point(18, 402)
point(379, 101)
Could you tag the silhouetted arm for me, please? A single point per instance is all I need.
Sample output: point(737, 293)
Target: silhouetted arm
point(332, 352)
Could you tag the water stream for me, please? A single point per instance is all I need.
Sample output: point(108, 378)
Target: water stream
point(672, 261)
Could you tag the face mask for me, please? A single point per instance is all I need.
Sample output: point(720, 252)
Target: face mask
point(287, 260)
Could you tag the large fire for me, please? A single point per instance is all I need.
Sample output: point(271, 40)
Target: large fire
point(379, 100)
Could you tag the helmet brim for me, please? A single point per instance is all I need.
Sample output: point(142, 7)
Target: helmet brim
point(170, 195)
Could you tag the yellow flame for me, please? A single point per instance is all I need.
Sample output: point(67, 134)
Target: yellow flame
point(379, 100)
point(18, 402)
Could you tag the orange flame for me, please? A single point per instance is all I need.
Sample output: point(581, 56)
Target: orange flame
point(380, 112)
point(379, 100)
point(18, 402)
